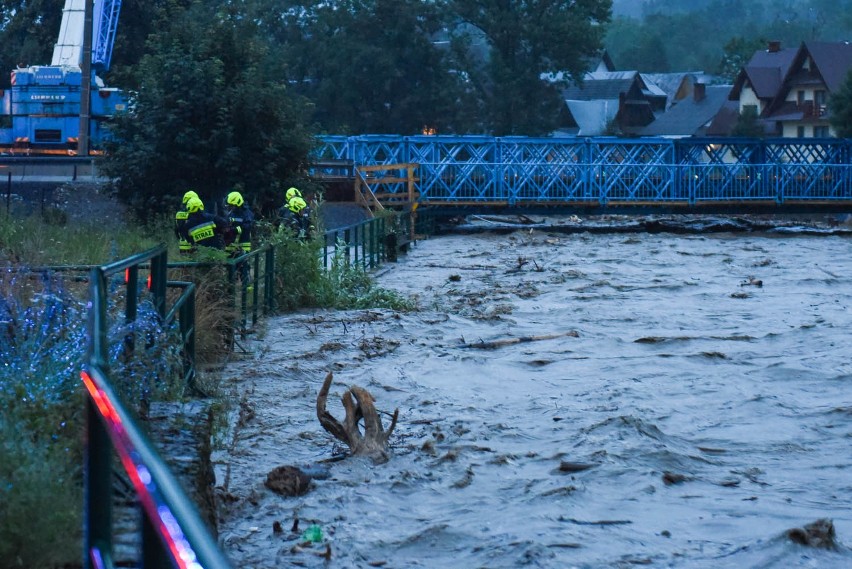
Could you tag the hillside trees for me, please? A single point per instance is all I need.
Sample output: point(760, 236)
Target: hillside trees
point(526, 39)
point(206, 116)
point(695, 33)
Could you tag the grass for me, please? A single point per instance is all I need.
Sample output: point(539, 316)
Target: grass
point(37, 241)
point(43, 340)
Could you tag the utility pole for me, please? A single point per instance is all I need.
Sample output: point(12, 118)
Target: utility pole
point(86, 81)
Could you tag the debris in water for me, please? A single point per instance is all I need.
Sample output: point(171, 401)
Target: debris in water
point(819, 534)
point(670, 478)
point(288, 481)
point(574, 466)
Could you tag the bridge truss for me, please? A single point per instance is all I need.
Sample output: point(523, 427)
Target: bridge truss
point(521, 171)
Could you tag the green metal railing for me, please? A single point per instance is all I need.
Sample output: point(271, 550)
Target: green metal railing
point(253, 295)
point(362, 243)
point(173, 534)
point(370, 242)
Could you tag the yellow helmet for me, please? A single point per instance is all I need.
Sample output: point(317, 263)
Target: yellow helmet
point(292, 193)
point(296, 204)
point(235, 199)
point(194, 205)
point(189, 195)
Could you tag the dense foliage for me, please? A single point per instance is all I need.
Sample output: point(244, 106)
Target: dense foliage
point(42, 344)
point(707, 35)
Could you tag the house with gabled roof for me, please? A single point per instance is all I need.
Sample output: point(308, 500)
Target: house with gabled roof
point(789, 88)
point(677, 85)
point(605, 98)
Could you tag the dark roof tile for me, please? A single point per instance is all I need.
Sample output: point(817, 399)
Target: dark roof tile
point(688, 116)
point(833, 60)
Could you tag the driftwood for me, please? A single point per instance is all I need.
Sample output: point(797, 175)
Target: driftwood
point(483, 345)
point(358, 404)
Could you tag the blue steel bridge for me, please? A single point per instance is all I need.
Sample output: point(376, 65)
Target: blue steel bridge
point(480, 173)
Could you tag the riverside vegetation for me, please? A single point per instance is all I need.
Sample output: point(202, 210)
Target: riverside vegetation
point(43, 318)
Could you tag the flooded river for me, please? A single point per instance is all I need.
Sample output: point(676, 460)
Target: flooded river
point(566, 400)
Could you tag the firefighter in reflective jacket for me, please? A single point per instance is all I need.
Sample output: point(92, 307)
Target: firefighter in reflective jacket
point(297, 216)
point(241, 219)
point(204, 228)
point(184, 246)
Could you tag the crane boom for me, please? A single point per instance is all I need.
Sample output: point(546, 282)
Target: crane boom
point(69, 47)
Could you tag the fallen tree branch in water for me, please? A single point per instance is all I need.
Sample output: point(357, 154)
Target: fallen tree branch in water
point(358, 404)
point(483, 345)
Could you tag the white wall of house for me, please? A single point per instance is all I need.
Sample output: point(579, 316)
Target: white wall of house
point(748, 97)
point(800, 94)
point(791, 129)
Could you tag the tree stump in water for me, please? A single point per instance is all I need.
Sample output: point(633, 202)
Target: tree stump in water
point(358, 404)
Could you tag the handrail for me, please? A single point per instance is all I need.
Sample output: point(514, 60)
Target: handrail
point(172, 533)
point(596, 173)
point(364, 193)
point(363, 243)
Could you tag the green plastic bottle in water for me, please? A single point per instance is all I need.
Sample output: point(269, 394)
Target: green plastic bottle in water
point(312, 534)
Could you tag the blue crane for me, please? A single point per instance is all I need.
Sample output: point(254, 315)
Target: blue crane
point(41, 111)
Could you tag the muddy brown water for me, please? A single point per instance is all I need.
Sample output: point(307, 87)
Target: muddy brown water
point(702, 408)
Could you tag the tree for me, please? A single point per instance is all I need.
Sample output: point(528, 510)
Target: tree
point(28, 31)
point(137, 20)
point(206, 116)
point(840, 109)
point(369, 66)
point(748, 124)
point(738, 52)
point(647, 53)
point(524, 40)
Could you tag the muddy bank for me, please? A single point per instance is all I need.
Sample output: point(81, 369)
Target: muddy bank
point(566, 400)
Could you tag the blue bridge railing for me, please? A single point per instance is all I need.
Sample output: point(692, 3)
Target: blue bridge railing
point(480, 170)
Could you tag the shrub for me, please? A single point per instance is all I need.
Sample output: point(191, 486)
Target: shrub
point(42, 347)
point(302, 281)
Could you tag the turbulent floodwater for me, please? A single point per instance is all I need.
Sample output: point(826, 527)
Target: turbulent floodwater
point(715, 413)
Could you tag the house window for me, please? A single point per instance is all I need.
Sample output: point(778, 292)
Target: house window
point(821, 132)
point(820, 102)
point(800, 131)
point(800, 98)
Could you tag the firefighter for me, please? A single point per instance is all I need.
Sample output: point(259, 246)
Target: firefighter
point(241, 219)
point(204, 228)
point(292, 193)
point(184, 246)
point(297, 216)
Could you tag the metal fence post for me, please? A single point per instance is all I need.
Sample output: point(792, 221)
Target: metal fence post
point(347, 239)
point(159, 275)
point(97, 530)
point(269, 280)
point(131, 276)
